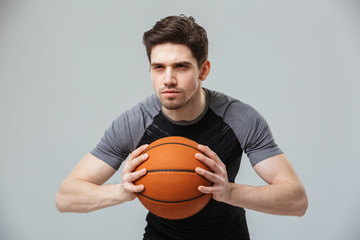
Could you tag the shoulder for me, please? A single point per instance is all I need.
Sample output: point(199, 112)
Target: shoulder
point(133, 122)
point(248, 124)
point(227, 107)
point(147, 108)
point(240, 116)
point(151, 104)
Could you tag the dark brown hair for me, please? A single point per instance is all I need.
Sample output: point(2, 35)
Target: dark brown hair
point(180, 30)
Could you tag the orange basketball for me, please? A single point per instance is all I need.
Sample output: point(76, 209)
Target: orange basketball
point(171, 183)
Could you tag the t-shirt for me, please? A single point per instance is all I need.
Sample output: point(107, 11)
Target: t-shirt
point(227, 126)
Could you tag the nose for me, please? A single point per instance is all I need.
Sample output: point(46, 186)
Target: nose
point(169, 77)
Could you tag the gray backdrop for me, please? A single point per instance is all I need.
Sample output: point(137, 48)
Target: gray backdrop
point(68, 68)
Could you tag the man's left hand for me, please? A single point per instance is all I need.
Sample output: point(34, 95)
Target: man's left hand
point(221, 188)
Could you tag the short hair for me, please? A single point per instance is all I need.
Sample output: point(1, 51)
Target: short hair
point(179, 30)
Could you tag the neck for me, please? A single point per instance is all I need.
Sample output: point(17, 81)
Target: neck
point(193, 109)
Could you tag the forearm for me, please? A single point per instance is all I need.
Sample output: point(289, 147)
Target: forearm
point(280, 199)
point(76, 195)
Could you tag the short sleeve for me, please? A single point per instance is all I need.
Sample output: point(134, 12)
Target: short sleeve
point(253, 132)
point(114, 146)
point(125, 132)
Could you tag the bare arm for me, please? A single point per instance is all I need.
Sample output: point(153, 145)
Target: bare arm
point(284, 194)
point(83, 189)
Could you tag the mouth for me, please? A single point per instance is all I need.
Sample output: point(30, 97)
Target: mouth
point(170, 93)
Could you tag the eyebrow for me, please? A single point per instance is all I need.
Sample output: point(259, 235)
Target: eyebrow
point(174, 64)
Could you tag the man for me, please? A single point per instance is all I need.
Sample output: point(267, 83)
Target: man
point(177, 49)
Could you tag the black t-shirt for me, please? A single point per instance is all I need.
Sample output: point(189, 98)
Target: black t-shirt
point(228, 126)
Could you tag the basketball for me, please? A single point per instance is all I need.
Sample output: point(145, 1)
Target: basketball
point(171, 183)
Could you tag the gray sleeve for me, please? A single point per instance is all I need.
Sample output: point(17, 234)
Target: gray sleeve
point(115, 145)
point(253, 132)
point(125, 132)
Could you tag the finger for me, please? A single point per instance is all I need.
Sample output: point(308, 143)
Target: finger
point(209, 153)
point(208, 190)
point(139, 160)
point(134, 188)
point(132, 164)
point(133, 176)
point(138, 151)
point(208, 162)
point(208, 175)
point(138, 188)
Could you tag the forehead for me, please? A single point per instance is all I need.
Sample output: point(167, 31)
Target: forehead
point(168, 53)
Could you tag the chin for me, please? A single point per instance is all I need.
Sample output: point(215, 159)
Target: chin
point(171, 106)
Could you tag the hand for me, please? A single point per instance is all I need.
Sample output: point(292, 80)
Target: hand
point(221, 188)
point(129, 176)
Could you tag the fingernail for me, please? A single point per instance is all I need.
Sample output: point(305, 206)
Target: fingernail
point(198, 155)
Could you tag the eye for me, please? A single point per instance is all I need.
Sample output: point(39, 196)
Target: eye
point(181, 66)
point(157, 67)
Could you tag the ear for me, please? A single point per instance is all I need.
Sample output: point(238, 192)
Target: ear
point(205, 70)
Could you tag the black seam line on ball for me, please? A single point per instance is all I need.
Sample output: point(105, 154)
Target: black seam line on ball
point(156, 200)
point(172, 143)
point(171, 170)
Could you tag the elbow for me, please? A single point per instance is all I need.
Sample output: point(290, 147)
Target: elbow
point(300, 201)
point(62, 198)
point(58, 203)
point(302, 206)
point(61, 202)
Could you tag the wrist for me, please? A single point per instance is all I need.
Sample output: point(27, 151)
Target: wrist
point(234, 194)
point(230, 196)
point(122, 194)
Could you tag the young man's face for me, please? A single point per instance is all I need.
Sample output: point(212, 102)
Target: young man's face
point(175, 75)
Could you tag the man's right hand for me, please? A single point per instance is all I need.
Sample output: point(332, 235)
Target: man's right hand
point(128, 187)
point(84, 190)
